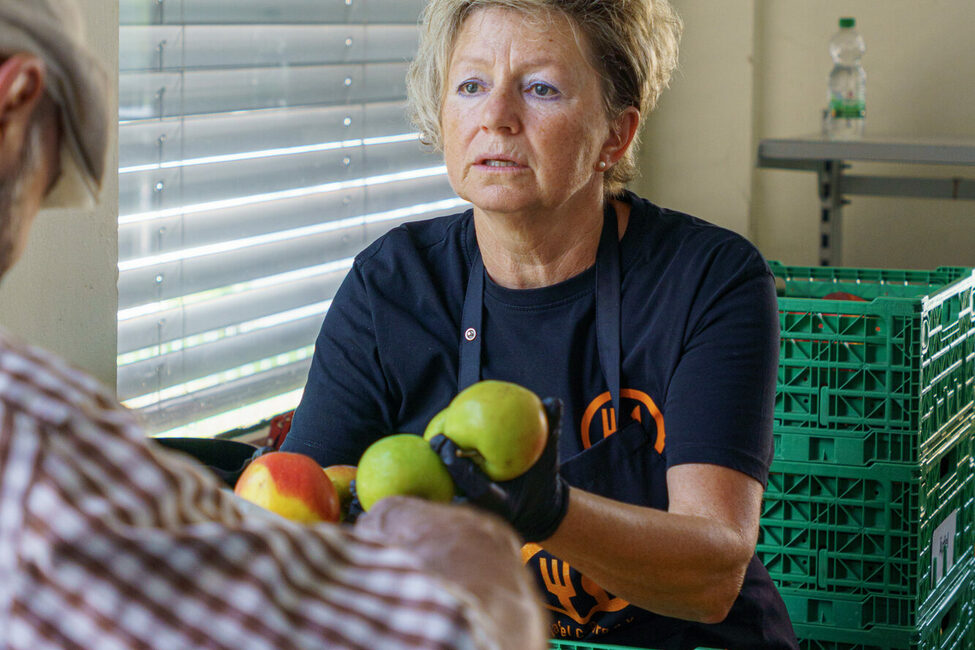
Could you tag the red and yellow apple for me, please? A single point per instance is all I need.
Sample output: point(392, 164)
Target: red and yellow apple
point(500, 424)
point(341, 477)
point(291, 485)
point(402, 464)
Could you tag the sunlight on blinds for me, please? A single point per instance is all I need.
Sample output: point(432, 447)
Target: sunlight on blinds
point(261, 146)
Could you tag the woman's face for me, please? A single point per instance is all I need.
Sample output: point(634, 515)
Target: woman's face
point(523, 119)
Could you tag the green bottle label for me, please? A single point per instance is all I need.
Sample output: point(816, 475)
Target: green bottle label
point(847, 109)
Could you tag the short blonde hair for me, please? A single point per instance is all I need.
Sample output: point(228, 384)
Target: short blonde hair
point(634, 43)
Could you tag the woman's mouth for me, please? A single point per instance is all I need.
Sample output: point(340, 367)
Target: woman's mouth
point(499, 163)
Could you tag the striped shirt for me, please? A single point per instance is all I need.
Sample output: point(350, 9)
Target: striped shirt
point(107, 542)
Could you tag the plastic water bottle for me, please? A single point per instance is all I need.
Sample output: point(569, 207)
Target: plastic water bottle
point(846, 112)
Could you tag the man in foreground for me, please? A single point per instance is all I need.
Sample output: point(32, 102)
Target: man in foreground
point(108, 542)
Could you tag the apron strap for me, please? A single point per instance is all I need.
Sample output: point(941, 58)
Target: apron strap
point(470, 324)
point(607, 313)
point(608, 306)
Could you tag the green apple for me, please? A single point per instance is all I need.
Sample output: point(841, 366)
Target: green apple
point(341, 477)
point(501, 425)
point(402, 464)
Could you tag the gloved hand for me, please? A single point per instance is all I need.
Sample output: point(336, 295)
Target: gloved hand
point(535, 502)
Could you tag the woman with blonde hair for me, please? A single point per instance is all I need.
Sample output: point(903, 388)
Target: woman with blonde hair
point(656, 331)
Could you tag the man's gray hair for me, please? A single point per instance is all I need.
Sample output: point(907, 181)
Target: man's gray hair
point(77, 81)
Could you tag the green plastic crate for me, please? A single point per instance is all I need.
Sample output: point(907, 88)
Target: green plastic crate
point(849, 529)
point(817, 644)
point(951, 626)
point(814, 644)
point(850, 618)
point(870, 559)
point(558, 644)
point(891, 370)
point(846, 446)
point(845, 622)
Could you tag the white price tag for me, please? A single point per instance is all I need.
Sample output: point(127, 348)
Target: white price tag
point(943, 547)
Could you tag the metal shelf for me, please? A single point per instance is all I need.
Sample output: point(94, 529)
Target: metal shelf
point(830, 159)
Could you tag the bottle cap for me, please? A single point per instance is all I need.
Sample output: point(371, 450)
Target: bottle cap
point(847, 22)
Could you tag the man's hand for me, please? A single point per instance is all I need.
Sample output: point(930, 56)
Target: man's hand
point(470, 549)
point(535, 502)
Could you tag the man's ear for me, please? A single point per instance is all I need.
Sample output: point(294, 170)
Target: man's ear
point(22, 79)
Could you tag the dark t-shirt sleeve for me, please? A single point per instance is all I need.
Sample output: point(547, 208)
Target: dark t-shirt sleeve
point(344, 406)
point(721, 397)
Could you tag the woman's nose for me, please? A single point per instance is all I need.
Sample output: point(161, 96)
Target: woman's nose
point(501, 111)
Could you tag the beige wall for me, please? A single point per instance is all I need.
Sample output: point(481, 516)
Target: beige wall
point(62, 294)
point(696, 147)
point(757, 68)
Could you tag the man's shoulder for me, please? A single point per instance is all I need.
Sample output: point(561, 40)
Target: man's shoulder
point(47, 388)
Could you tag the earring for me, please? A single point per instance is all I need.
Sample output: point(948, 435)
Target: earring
point(601, 165)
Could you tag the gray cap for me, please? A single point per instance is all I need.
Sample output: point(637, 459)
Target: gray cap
point(53, 31)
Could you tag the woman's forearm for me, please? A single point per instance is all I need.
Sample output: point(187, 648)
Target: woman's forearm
point(680, 565)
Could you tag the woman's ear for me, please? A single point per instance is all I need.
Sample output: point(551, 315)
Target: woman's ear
point(622, 131)
point(22, 79)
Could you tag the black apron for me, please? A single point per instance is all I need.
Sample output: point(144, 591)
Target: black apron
point(623, 466)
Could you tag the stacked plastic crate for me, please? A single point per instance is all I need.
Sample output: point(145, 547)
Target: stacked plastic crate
point(867, 523)
point(558, 644)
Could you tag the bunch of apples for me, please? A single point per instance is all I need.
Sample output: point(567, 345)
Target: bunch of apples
point(296, 487)
point(500, 426)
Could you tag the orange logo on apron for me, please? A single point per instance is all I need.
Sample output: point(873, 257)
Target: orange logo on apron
point(555, 574)
point(603, 406)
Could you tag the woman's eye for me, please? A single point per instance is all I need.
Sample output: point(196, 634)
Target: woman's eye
point(542, 90)
point(470, 87)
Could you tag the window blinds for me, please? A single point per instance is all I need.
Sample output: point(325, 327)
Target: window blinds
point(262, 144)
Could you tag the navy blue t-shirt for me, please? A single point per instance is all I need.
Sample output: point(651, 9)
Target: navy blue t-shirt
point(699, 350)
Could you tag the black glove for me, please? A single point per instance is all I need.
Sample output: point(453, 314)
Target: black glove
point(355, 507)
point(535, 502)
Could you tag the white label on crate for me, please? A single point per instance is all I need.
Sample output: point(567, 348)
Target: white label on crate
point(943, 547)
